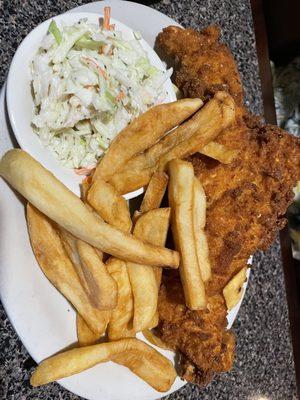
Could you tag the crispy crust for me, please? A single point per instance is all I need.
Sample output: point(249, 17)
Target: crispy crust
point(246, 199)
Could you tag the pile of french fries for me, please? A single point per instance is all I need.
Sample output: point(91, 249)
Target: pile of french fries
point(109, 264)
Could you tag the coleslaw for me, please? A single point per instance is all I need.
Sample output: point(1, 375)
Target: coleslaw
point(88, 83)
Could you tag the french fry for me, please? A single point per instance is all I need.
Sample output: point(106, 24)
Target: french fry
point(85, 186)
point(95, 279)
point(155, 340)
point(53, 199)
point(187, 138)
point(219, 152)
point(141, 359)
point(155, 320)
point(136, 216)
point(199, 217)
point(142, 133)
point(102, 287)
point(155, 192)
point(70, 246)
point(57, 267)
point(85, 336)
point(127, 180)
point(233, 291)
point(120, 324)
point(221, 110)
point(152, 227)
point(112, 207)
point(181, 192)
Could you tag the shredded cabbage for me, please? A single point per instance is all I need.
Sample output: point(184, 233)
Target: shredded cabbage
point(88, 84)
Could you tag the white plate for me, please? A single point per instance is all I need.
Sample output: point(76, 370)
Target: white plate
point(20, 103)
point(42, 318)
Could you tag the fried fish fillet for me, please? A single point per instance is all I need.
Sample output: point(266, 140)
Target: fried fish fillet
point(246, 201)
point(202, 64)
point(205, 347)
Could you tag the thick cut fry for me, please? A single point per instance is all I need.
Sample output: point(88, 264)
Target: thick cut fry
point(219, 152)
point(199, 218)
point(221, 110)
point(96, 281)
point(57, 267)
point(155, 340)
point(69, 243)
point(85, 186)
point(197, 132)
point(142, 133)
point(152, 227)
point(102, 287)
point(233, 291)
point(155, 320)
point(52, 198)
point(112, 207)
point(120, 324)
point(128, 180)
point(141, 359)
point(85, 336)
point(181, 189)
point(155, 191)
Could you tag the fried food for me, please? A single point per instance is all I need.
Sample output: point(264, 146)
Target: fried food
point(155, 340)
point(102, 287)
point(142, 133)
point(70, 245)
point(57, 267)
point(203, 127)
point(181, 198)
point(112, 208)
point(151, 227)
point(205, 346)
point(120, 324)
point(219, 152)
point(94, 278)
point(248, 198)
point(141, 359)
point(85, 186)
point(202, 64)
point(155, 192)
point(53, 199)
point(221, 111)
point(199, 220)
point(246, 202)
point(85, 336)
point(233, 291)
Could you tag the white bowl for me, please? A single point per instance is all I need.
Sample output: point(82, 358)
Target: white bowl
point(20, 102)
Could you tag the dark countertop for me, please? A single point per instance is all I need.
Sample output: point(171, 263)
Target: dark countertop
point(264, 368)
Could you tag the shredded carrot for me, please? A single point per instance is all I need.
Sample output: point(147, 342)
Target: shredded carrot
point(120, 96)
point(93, 63)
point(106, 18)
point(84, 171)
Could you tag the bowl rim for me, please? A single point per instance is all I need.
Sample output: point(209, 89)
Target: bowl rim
point(12, 108)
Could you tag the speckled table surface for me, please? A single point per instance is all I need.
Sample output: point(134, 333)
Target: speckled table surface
point(264, 366)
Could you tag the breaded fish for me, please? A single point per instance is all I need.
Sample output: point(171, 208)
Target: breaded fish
point(246, 201)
